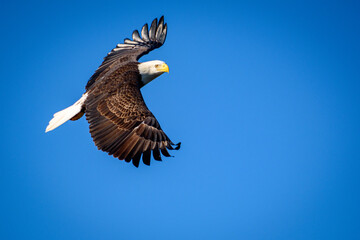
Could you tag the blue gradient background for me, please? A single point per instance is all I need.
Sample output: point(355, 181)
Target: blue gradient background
point(263, 95)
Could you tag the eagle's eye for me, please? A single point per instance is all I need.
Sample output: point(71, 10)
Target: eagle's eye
point(156, 65)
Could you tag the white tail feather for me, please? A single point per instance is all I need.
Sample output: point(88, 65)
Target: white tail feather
point(66, 114)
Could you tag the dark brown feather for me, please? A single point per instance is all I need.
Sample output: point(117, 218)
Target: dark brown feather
point(165, 152)
point(136, 159)
point(146, 157)
point(78, 116)
point(156, 154)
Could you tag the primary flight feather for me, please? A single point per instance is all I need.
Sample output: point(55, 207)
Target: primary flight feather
point(120, 122)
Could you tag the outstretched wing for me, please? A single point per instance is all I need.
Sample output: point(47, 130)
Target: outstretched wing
point(132, 50)
point(122, 125)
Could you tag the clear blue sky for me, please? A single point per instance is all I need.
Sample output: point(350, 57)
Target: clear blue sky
point(264, 97)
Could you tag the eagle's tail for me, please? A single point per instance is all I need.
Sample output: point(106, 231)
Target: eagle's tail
point(73, 112)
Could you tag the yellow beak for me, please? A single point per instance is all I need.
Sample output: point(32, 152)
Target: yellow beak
point(163, 68)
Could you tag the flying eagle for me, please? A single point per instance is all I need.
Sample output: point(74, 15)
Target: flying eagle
point(120, 122)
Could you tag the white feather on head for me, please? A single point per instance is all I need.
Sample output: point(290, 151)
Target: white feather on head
point(151, 70)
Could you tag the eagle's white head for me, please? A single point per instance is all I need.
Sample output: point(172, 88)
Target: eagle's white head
point(151, 70)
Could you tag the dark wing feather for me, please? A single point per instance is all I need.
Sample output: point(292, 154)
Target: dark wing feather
point(132, 50)
point(122, 125)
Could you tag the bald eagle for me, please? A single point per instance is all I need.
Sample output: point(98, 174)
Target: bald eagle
point(120, 122)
